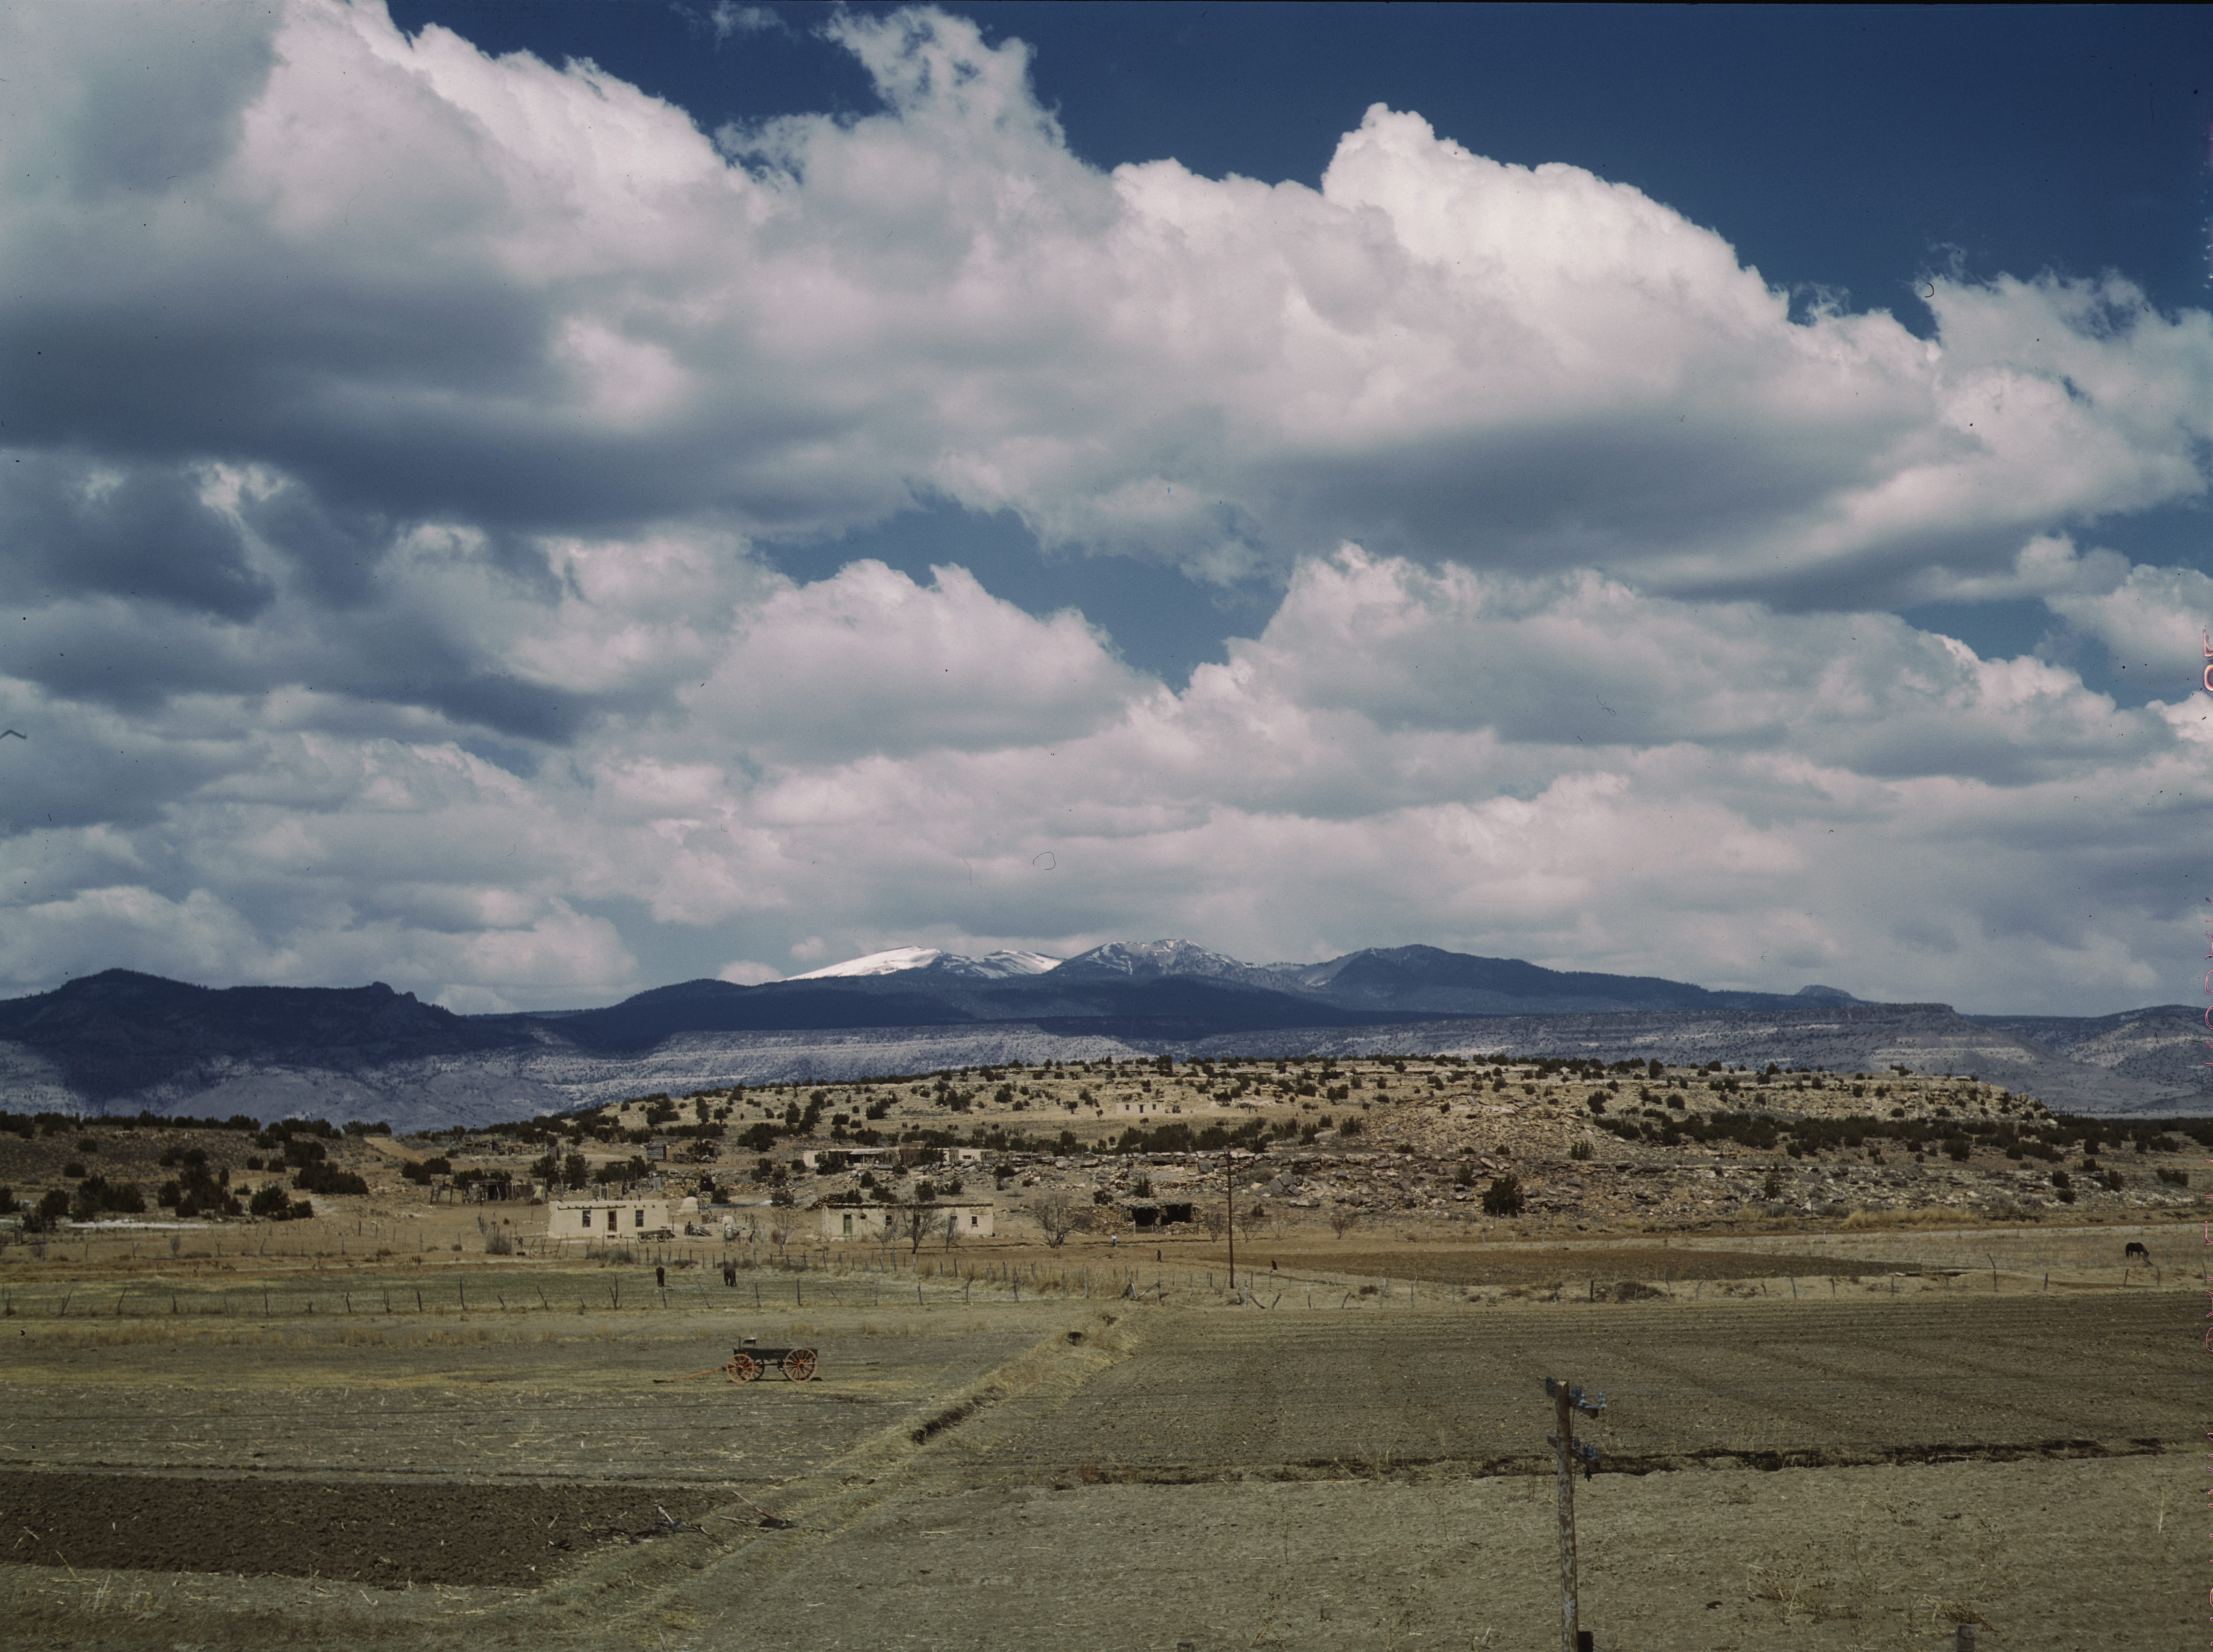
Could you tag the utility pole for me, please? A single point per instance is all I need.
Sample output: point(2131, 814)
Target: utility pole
point(1566, 1452)
point(1229, 1181)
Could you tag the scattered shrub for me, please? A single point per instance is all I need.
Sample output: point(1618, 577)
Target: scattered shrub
point(318, 1177)
point(97, 1197)
point(1504, 1197)
point(52, 1207)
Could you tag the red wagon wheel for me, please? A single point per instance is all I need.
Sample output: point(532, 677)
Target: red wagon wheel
point(799, 1364)
point(742, 1368)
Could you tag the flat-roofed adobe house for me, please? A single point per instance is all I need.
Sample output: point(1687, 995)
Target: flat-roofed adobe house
point(608, 1218)
point(847, 1158)
point(883, 1222)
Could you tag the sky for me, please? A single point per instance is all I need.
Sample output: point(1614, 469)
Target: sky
point(531, 501)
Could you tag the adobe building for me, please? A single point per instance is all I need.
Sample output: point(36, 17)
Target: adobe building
point(885, 1222)
point(643, 1216)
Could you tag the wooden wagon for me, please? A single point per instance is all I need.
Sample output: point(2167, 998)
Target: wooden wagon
point(748, 1363)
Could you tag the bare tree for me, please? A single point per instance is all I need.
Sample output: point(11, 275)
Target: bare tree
point(919, 1220)
point(952, 1228)
point(1343, 1219)
point(1211, 1219)
point(1060, 1216)
point(1251, 1217)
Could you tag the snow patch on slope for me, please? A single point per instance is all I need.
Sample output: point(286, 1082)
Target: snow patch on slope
point(999, 966)
point(877, 963)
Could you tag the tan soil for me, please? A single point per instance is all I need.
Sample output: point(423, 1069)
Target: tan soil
point(1960, 1419)
point(1141, 1476)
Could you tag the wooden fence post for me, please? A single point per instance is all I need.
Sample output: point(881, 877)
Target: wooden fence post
point(1564, 1474)
point(1567, 1400)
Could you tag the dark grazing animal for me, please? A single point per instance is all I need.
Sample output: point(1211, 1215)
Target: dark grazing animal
point(2134, 1251)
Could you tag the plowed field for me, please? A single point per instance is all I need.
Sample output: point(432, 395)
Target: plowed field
point(1124, 1474)
point(355, 1532)
point(1813, 1382)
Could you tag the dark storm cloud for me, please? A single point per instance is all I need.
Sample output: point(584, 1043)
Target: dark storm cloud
point(504, 704)
point(74, 527)
point(338, 551)
point(133, 588)
point(416, 401)
point(154, 94)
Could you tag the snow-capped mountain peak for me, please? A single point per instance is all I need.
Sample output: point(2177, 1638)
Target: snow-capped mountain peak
point(999, 966)
point(876, 963)
point(1145, 960)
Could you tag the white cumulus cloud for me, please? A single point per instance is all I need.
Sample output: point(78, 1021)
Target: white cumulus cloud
point(389, 480)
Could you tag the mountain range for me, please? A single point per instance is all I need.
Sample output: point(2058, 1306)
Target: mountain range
point(124, 1042)
point(1390, 978)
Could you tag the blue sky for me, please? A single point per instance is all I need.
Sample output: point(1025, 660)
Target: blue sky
point(528, 502)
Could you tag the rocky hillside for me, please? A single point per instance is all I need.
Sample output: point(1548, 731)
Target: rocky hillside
point(124, 1043)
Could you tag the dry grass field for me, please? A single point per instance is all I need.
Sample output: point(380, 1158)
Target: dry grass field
point(1884, 1454)
point(1859, 1392)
